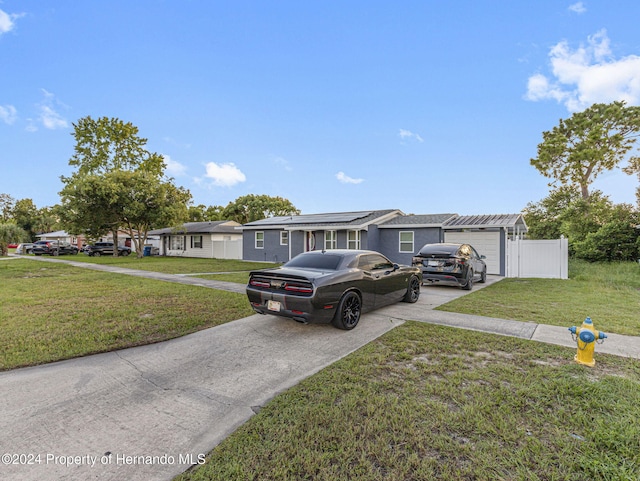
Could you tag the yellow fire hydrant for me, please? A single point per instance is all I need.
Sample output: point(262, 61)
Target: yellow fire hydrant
point(586, 338)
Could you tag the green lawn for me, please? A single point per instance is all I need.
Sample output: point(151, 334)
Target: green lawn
point(609, 293)
point(172, 265)
point(429, 402)
point(53, 311)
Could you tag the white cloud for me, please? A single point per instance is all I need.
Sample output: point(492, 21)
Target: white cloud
point(8, 114)
point(49, 117)
point(578, 8)
point(7, 21)
point(284, 163)
point(407, 134)
point(224, 175)
point(345, 179)
point(586, 75)
point(174, 169)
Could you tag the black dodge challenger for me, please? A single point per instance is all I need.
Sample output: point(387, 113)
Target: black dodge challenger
point(332, 286)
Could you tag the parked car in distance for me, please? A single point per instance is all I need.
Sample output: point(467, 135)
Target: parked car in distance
point(13, 245)
point(52, 248)
point(24, 248)
point(106, 249)
point(334, 286)
point(451, 264)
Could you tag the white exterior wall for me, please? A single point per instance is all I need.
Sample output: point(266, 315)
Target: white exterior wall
point(214, 246)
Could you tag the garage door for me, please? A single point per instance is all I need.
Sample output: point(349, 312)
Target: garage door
point(486, 243)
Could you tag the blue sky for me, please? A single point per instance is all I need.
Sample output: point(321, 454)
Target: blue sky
point(424, 106)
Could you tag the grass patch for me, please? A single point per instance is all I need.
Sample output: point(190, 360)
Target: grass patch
point(430, 402)
point(237, 277)
point(609, 293)
point(50, 311)
point(172, 265)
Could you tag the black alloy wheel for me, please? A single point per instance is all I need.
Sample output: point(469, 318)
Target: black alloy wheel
point(348, 313)
point(483, 276)
point(413, 291)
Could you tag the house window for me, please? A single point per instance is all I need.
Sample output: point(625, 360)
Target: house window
point(259, 240)
point(196, 242)
point(330, 239)
point(353, 239)
point(284, 238)
point(406, 241)
point(176, 243)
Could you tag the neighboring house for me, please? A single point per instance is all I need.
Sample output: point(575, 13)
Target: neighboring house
point(213, 240)
point(62, 237)
point(391, 232)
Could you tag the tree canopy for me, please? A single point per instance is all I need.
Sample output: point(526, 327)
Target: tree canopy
point(578, 149)
point(249, 208)
point(9, 233)
point(118, 184)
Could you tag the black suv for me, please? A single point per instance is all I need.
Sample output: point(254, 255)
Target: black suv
point(106, 249)
point(52, 248)
point(452, 264)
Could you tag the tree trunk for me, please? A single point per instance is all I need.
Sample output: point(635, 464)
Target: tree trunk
point(115, 242)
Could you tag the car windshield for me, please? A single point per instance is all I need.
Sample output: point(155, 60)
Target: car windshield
point(316, 261)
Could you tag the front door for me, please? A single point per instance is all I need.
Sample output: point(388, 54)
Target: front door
point(309, 241)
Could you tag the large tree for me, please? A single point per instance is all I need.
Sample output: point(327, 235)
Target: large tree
point(249, 208)
point(578, 149)
point(25, 215)
point(118, 184)
point(6, 205)
point(10, 232)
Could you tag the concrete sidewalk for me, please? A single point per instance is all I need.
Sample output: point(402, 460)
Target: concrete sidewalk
point(151, 412)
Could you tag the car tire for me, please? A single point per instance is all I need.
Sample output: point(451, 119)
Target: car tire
point(413, 291)
point(483, 276)
point(125, 253)
point(469, 284)
point(96, 254)
point(348, 313)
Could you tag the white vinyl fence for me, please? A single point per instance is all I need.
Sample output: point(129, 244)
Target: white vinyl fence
point(227, 249)
point(538, 258)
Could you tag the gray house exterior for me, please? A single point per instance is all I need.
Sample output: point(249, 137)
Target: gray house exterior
point(278, 239)
point(403, 236)
point(390, 232)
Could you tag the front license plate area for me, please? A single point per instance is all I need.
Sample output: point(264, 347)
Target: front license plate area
point(273, 306)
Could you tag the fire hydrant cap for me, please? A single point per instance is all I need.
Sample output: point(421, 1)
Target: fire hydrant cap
point(587, 336)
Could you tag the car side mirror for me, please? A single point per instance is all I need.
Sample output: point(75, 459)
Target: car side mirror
point(395, 268)
point(483, 257)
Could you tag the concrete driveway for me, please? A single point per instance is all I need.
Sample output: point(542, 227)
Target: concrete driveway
point(149, 413)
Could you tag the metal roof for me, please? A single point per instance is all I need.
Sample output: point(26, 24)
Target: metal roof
point(423, 220)
point(486, 221)
point(217, 227)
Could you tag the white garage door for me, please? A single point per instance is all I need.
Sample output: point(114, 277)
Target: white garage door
point(486, 243)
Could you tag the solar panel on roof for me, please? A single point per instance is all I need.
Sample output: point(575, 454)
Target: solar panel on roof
point(315, 218)
point(323, 218)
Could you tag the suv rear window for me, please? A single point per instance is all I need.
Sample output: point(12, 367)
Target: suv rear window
point(439, 250)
